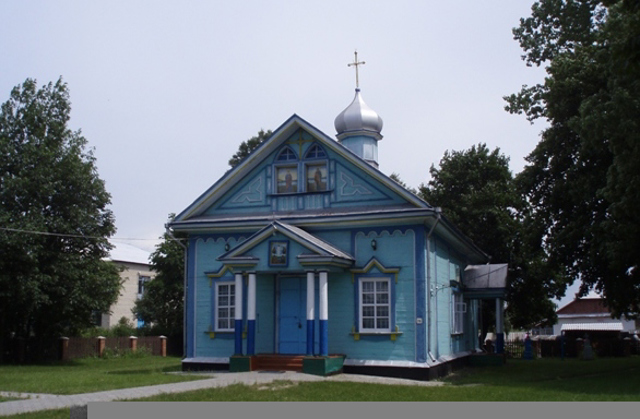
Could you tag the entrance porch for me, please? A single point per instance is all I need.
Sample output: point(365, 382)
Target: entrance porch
point(316, 365)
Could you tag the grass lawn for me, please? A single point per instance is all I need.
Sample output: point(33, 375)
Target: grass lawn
point(91, 374)
point(613, 379)
point(606, 379)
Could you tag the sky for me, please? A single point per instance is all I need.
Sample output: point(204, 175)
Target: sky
point(165, 91)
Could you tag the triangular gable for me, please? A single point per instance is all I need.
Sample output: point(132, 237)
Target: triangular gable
point(251, 190)
point(321, 251)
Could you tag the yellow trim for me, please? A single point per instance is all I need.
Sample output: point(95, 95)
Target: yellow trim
point(219, 274)
point(374, 262)
point(392, 335)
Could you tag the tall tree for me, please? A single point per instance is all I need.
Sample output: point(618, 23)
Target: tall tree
point(163, 301)
point(54, 220)
point(582, 178)
point(246, 147)
point(477, 192)
point(396, 177)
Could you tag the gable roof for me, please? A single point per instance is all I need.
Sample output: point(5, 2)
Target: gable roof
point(413, 209)
point(322, 251)
point(585, 306)
point(296, 234)
point(123, 252)
point(279, 136)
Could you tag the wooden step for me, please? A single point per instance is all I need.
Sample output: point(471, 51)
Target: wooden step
point(278, 362)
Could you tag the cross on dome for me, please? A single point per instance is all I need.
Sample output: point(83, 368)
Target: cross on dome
point(355, 64)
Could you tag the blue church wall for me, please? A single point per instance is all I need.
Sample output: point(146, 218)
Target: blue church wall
point(201, 259)
point(395, 249)
point(443, 300)
point(445, 264)
point(205, 250)
point(398, 247)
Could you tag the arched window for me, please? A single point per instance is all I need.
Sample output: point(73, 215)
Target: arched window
point(286, 155)
point(316, 152)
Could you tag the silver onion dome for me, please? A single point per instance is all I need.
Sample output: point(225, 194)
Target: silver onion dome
point(358, 117)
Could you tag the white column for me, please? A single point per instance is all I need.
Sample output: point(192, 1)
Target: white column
point(311, 308)
point(238, 315)
point(324, 314)
point(251, 297)
point(251, 315)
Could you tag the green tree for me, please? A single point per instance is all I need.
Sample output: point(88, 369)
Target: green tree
point(54, 220)
point(162, 304)
point(477, 193)
point(582, 178)
point(246, 147)
point(475, 190)
point(396, 177)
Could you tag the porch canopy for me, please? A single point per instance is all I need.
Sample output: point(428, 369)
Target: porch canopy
point(485, 281)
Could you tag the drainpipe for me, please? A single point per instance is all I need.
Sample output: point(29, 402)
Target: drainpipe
point(438, 212)
point(184, 305)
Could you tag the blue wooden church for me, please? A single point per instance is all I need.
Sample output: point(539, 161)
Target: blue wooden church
point(306, 254)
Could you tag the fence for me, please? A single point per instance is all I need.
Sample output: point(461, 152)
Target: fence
point(551, 346)
point(76, 347)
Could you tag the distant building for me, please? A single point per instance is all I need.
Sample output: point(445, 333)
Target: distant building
point(590, 315)
point(136, 274)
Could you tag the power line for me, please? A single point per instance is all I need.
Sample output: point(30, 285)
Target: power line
point(76, 236)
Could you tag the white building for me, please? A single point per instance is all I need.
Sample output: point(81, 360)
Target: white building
point(589, 314)
point(135, 274)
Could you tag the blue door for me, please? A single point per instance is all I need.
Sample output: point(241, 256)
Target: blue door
point(292, 319)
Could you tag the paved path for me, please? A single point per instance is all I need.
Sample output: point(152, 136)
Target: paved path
point(33, 402)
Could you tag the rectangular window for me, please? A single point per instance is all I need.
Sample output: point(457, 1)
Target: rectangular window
point(458, 308)
point(375, 309)
point(287, 179)
point(225, 306)
point(316, 177)
point(141, 284)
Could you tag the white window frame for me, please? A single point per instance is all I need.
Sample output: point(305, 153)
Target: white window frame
point(230, 306)
point(374, 304)
point(142, 284)
point(458, 310)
